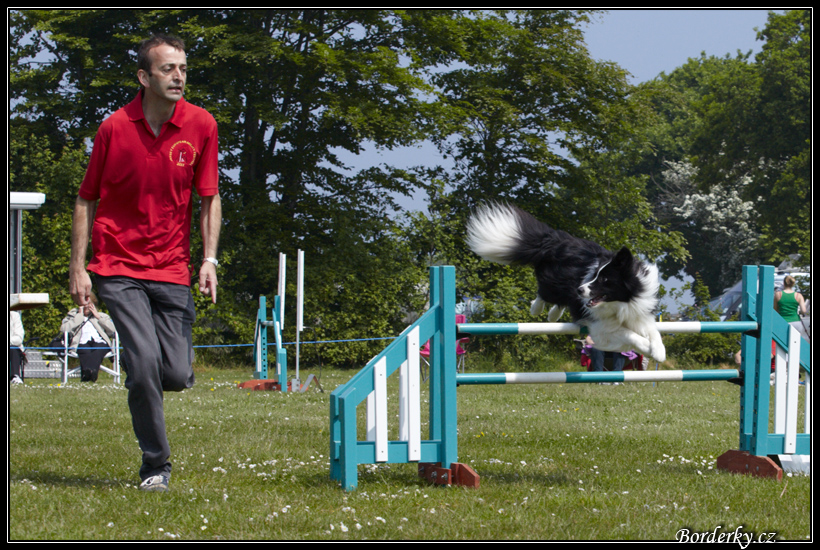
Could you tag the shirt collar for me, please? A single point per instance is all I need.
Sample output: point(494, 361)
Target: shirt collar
point(134, 111)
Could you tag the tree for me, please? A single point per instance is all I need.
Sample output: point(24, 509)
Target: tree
point(785, 64)
point(511, 96)
point(720, 220)
point(526, 93)
point(538, 123)
point(664, 154)
point(736, 127)
point(288, 87)
point(758, 123)
point(34, 166)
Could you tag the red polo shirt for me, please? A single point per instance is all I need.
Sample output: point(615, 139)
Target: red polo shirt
point(144, 184)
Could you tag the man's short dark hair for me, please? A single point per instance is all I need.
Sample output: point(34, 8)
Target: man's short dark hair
point(143, 62)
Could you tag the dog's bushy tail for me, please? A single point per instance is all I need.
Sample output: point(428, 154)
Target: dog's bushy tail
point(505, 234)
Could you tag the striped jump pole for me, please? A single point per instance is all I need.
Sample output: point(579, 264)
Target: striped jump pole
point(694, 327)
point(596, 377)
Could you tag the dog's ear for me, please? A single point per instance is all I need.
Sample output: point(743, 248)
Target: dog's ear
point(623, 258)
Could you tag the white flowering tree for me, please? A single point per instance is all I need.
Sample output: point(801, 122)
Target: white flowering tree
point(720, 220)
point(743, 126)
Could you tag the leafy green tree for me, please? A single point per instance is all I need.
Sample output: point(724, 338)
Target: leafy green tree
point(785, 140)
point(540, 124)
point(35, 167)
point(663, 152)
point(739, 125)
point(752, 122)
point(70, 68)
point(720, 219)
point(526, 93)
point(290, 90)
point(511, 97)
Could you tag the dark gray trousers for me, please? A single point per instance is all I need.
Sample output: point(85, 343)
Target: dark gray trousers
point(154, 321)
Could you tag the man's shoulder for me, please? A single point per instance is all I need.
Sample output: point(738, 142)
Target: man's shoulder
point(195, 112)
point(119, 117)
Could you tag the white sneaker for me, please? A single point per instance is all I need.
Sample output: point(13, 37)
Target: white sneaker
point(158, 483)
point(16, 380)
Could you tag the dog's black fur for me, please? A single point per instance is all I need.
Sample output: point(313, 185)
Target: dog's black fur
point(612, 293)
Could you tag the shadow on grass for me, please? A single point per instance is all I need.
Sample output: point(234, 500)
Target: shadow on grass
point(61, 480)
point(397, 475)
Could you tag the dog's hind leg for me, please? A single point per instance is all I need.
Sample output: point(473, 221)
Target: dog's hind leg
point(537, 306)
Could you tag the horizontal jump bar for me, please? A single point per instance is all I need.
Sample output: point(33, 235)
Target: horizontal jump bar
point(593, 377)
point(691, 327)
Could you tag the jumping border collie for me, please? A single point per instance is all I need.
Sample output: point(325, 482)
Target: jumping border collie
point(613, 294)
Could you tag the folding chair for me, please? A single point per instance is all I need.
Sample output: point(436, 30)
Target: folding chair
point(114, 355)
point(461, 353)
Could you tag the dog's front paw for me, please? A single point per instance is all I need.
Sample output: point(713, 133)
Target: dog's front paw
point(656, 348)
point(555, 313)
point(658, 352)
point(537, 306)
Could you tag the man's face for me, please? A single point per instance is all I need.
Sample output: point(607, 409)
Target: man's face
point(166, 80)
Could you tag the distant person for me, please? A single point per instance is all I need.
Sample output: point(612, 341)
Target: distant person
point(791, 305)
point(16, 337)
point(597, 358)
point(91, 335)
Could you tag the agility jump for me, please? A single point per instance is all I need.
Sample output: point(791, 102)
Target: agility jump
point(261, 339)
point(437, 456)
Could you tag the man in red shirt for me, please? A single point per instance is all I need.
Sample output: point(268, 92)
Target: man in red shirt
point(136, 203)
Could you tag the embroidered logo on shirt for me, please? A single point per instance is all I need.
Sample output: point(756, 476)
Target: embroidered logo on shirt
point(183, 153)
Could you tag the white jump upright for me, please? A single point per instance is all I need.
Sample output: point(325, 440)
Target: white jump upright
point(260, 339)
point(760, 452)
point(409, 404)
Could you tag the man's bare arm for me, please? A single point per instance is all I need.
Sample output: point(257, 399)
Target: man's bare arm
point(79, 283)
point(211, 224)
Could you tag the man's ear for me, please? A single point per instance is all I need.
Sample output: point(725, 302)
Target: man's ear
point(142, 77)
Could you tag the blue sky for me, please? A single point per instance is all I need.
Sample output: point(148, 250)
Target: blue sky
point(648, 42)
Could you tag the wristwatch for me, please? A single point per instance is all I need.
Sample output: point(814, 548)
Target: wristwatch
point(212, 260)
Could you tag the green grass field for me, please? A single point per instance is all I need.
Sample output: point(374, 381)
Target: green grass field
point(560, 462)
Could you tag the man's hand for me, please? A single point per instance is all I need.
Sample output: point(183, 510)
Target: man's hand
point(207, 280)
point(79, 286)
